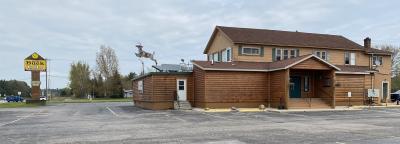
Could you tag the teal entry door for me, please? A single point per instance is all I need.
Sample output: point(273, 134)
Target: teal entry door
point(295, 87)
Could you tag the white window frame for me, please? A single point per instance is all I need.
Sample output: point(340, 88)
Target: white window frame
point(352, 58)
point(285, 56)
point(140, 86)
point(380, 58)
point(280, 52)
point(321, 54)
point(215, 56)
point(346, 56)
point(306, 83)
point(251, 50)
point(290, 53)
point(224, 56)
point(229, 54)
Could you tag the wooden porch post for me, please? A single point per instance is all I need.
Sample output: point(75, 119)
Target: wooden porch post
point(287, 85)
point(333, 75)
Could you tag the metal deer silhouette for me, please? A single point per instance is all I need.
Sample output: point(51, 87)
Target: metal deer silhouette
point(143, 54)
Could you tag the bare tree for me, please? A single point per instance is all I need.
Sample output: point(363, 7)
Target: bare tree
point(107, 64)
point(395, 57)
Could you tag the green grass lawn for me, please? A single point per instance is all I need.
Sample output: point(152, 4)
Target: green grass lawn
point(16, 105)
point(96, 100)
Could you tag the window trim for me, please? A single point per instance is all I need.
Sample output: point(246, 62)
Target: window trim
point(352, 59)
point(306, 83)
point(215, 55)
point(140, 87)
point(259, 51)
point(380, 58)
point(281, 53)
point(228, 57)
point(347, 58)
point(321, 54)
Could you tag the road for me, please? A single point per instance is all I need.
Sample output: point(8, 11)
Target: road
point(122, 123)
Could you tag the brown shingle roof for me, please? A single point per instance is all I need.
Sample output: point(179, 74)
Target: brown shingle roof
point(286, 38)
point(377, 51)
point(352, 68)
point(254, 66)
point(238, 65)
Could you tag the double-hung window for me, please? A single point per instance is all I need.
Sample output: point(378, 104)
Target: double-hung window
point(282, 54)
point(215, 56)
point(350, 58)
point(306, 83)
point(278, 54)
point(292, 53)
point(322, 54)
point(226, 55)
point(377, 60)
point(250, 51)
point(285, 54)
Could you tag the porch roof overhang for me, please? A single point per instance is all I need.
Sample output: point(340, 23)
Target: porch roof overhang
point(259, 66)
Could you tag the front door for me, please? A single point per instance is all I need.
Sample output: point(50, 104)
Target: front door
point(181, 89)
point(295, 87)
point(384, 91)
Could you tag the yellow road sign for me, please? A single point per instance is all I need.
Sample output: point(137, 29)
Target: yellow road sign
point(35, 63)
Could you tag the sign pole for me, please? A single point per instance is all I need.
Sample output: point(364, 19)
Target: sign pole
point(35, 85)
point(36, 64)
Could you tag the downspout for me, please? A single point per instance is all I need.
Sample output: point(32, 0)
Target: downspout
point(269, 89)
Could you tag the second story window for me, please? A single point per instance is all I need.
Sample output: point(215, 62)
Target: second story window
point(292, 53)
point(250, 51)
point(350, 58)
point(215, 57)
point(285, 54)
point(282, 54)
point(278, 54)
point(377, 60)
point(226, 55)
point(322, 54)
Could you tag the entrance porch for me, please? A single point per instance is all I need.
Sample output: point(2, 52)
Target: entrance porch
point(311, 88)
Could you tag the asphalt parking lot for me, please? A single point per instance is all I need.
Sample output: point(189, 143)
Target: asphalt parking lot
point(123, 123)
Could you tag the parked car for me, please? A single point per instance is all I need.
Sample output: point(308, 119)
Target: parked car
point(14, 99)
point(394, 96)
point(43, 98)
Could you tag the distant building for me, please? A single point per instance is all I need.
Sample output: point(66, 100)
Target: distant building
point(128, 93)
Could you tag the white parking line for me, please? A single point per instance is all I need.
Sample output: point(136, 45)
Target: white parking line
point(21, 118)
point(115, 114)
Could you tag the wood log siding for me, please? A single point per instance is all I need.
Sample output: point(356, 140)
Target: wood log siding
point(147, 89)
point(236, 87)
point(159, 91)
point(311, 63)
point(326, 93)
point(199, 85)
point(278, 87)
point(356, 84)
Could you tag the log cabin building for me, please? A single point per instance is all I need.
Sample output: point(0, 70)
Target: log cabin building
point(280, 69)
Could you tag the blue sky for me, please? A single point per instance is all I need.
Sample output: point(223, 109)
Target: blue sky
point(70, 30)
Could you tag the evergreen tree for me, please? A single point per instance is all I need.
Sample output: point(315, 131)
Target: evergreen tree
point(116, 87)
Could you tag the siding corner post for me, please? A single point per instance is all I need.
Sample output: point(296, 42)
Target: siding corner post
point(333, 74)
point(287, 85)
